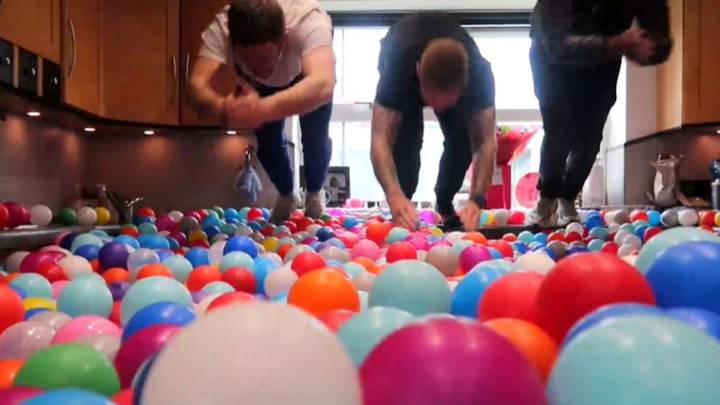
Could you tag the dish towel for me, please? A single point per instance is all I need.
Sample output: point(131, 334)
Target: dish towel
point(247, 181)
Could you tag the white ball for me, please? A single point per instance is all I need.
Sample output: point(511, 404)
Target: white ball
point(454, 237)
point(422, 255)
point(335, 253)
point(631, 260)
point(279, 282)
point(613, 228)
point(688, 217)
point(535, 261)
point(40, 215)
point(625, 250)
point(221, 346)
point(87, 216)
point(620, 237)
point(215, 253)
point(444, 259)
point(575, 228)
point(364, 281)
point(176, 216)
point(75, 266)
point(501, 217)
point(296, 250)
point(12, 264)
point(313, 229)
point(632, 240)
point(105, 344)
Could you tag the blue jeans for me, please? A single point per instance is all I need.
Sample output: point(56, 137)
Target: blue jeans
point(316, 143)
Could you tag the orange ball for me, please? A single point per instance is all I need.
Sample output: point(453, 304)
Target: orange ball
point(378, 231)
point(476, 237)
point(369, 265)
point(116, 275)
point(95, 264)
point(282, 250)
point(154, 270)
point(321, 291)
point(8, 370)
point(201, 276)
point(534, 343)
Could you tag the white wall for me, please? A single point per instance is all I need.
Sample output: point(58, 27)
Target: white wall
point(412, 5)
point(641, 102)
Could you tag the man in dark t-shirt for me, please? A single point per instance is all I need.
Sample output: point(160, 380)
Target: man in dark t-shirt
point(430, 60)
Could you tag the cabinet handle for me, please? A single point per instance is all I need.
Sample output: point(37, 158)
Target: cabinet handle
point(73, 37)
point(175, 80)
point(6, 60)
point(187, 67)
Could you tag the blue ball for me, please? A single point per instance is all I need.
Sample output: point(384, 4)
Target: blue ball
point(68, 396)
point(707, 321)
point(640, 231)
point(30, 313)
point(350, 222)
point(211, 230)
point(153, 241)
point(263, 267)
point(548, 252)
point(89, 252)
point(687, 275)
point(594, 222)
point(255, 226)
point(241, 244)
point(212, 220)
point(67, 241)
point(233, 221)
point(317, 246)
point(609, 312)
point(86, 239)
point(336, 242)
point(526, 237)
point(164, 254)
point(149, 291)
point(471, 288)
point(520, 247)
point(576, 249)
point(654, 218)
point(127, 240)
point(198, 256)
point(265, 213)
point(20, 291)
point(100, 233)
point(324, 234)
point(174, 244)
point(243, 213)
point(495, 253)
point(541, 238)
point(86, 295)
point(231, 214)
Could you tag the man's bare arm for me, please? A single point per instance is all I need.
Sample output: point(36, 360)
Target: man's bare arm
point(484, 144)
point(208, 101)
point(384, 124)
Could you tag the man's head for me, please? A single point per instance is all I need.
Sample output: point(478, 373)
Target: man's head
point(257, 34)
point(443, 73)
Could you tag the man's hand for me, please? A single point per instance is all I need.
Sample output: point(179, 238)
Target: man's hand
point(635, 44)
point(242, 110)
point(470, 216)
point(403, 212)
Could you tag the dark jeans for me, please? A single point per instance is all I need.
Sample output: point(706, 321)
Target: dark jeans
point(455, 159)
point(316, 143)
point(575, 102)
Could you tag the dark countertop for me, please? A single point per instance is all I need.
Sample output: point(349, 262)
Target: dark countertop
point(31, 237)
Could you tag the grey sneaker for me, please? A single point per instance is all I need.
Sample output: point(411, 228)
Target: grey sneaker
point(284, 207)
point(314, 205)
point(544, 215)
point(567, 212)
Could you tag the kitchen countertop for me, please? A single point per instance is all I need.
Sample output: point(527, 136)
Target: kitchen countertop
point(32, 237)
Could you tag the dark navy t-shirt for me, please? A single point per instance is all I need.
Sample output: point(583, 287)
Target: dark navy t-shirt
point(402, 48)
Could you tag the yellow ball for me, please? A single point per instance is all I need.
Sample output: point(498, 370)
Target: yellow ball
point(271, 244)
point(436, 232)
point(490, 218)
point(38, 303)
point(717, 219)
point(197, 235)
point(103, 215)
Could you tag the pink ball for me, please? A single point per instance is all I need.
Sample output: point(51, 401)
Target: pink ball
point(428, 216)
point(57, 288)
point(365, 248)
point(17, 395)
point(419, 242)
point(441, 242)
point(165, 223)
point(85, 326)
point(472, 255)
point(140, 347)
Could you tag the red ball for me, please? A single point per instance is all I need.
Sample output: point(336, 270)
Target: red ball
point(115, 313)
point(378, 231)
point(201, 276)
point(512, 296)
point(145, 212)
point(32, 262)
point(240, 279)
point(284, 249)
point(304, 223)
point(516, 218)
point(502, 246)
point(573, 237)
point(510, 237)
point(18, 215)
point(651, 233)
point(268, 230)
point(292, 226)
point(401, 251)
point(639, 216)
point(203, 214)
point(4, 216)
point(583, 283)
point(556, 236)
point(11, 308)
point(335, 319)
point(349, 239)
point(52, 272)
point(234, 298)
point(610, 247)
point(297, 214)
point(306, 262)
point(124, 397)
point(707, 218)
point(130, 230)
point(254, 214)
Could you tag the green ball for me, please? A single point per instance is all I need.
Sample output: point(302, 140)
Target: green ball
point(219, 211)
point(325, 217)
point(69, 366)
point(67, 217)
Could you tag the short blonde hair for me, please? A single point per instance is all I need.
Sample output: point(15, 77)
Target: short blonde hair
point(444, 65)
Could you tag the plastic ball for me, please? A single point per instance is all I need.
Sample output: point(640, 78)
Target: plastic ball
point(512, 296)
point(202, 276)
point(609, 313)
point(279, 282)
point(41, 215)
point(412, 286)
point(471, 288)
point(67, 217)
point(306, 262)
point(669, 238)
point(151, 290)
point(33, 284)
point(444, 259)
point(85, 296)
point(85, 326)
point(401, 251)
point(140, 347)
point(86, 216)
point(241, 244)
point(582, 283)
point(8, 370)
point(22, 340)
point(218, 287)
point(367, 329)
point(472, 255)
point(708, 322)
point(337, 292)
point(365, 248)
point(68, 396)
point(688, 217)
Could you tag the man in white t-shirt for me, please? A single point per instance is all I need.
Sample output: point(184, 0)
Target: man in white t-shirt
point(282, 53)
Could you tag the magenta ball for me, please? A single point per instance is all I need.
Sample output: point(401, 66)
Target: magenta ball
point(419, 242)
point(429, 217)
point(472, 255)
point(448, 361)
point(180, 238)
point(17, 395)
point(32, 262)
point(140, 347)
point(165, 223)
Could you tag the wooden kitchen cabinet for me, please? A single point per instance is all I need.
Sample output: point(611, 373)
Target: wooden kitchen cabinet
point(33, 25)
point(140, 78)
point(196, 15)
point(689, 83)
point(81, 54)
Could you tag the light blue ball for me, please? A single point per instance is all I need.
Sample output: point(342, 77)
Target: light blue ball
point(638, 360)
point(127, 240)
point(364, 300)
point(228, 229)
point(180, 267)
point(471, 288)
point(499, 264)
point(153, 241)
point(68, 396)
point(100, 233)
point(218, 287)
point(599, 233)
point(460, 245)
point(596, 245)
point(237, 259)
point(147, 228)
point(526, 237)
point(397, 234)
point(263, 267)
point(231, 213)
point(654, 218)
point(361, 333)
point(33, 284)
point(281, 299)
point(541, 238)
point(669, 238)
point(151, 290)
point(86, 295)
point(413, 286)
point(629, 228)
point(243, 213)
point(85, 239)
point(353, 269)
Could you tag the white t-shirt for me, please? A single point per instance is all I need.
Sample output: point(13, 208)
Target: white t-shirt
point(309, 27)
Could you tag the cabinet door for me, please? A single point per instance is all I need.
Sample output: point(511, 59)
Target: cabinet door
point(196, 15)
point(140, 69)
point(33, 25)
point(81, 54)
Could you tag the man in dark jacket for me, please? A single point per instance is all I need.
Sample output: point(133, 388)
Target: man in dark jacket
point(576, 54)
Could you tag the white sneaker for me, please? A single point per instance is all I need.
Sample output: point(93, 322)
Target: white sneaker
point(567, 212)
point(314, 205)
point(284, 207)
point(544, 215)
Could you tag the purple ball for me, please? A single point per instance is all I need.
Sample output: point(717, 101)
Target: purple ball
point(118, 290)
point(472, 255)
point(113, 254)
point(17, 395)
point(449, 361)
point(198, 296)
